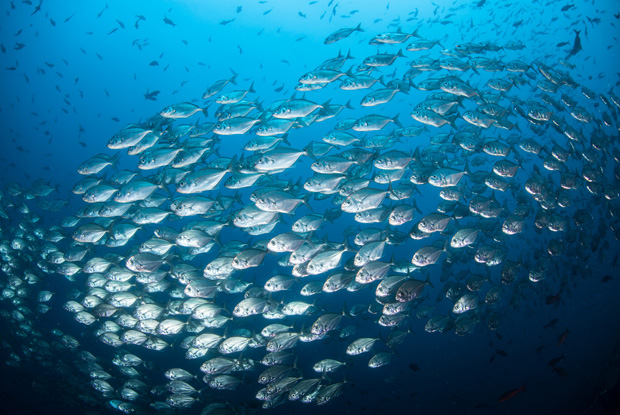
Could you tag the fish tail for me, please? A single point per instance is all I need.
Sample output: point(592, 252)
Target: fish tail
point(233, 79)
point(395, 121)
point(285, 139)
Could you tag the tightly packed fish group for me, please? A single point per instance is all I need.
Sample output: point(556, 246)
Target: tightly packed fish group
point(224, 241)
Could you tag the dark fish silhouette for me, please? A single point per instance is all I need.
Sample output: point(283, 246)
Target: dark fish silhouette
point(101, 12)
point(551, 323)
point(560, 371)
point(151, 96)
point(551, 299)
point(168, 22)
point(137, 23)
point(37, 9)
point(576, 45)
point(555, 360)
point(510, 394)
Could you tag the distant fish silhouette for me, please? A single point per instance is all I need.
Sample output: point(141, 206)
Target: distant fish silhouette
point(151, 96)
point(511, 394)
point(576, 45)
point(168, 22)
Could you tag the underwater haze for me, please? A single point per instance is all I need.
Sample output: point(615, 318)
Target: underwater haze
point(309, 207)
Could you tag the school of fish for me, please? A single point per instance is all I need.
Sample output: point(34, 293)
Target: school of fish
point(235, 261)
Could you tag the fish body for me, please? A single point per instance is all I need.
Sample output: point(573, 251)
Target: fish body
point(341, 34)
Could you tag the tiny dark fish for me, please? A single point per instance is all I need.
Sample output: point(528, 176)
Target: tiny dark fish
point(561, 371)
point(154, 63)
point(502, 353)
point(137, 23)
point(556, 360)
point(511, 394)
point(37, 9)
point(559, 45)
point(302, 14)
point(101, 12)
point(551, 299)
point(151, 96)
point(168, 22)
point(562, 338)
point(414, 368)
point(551, 323)
point(567, 7)
point(606, 278)
point(225, 22)
point(576, 45)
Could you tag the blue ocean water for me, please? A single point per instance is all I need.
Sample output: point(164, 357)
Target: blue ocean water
point(76, 73)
